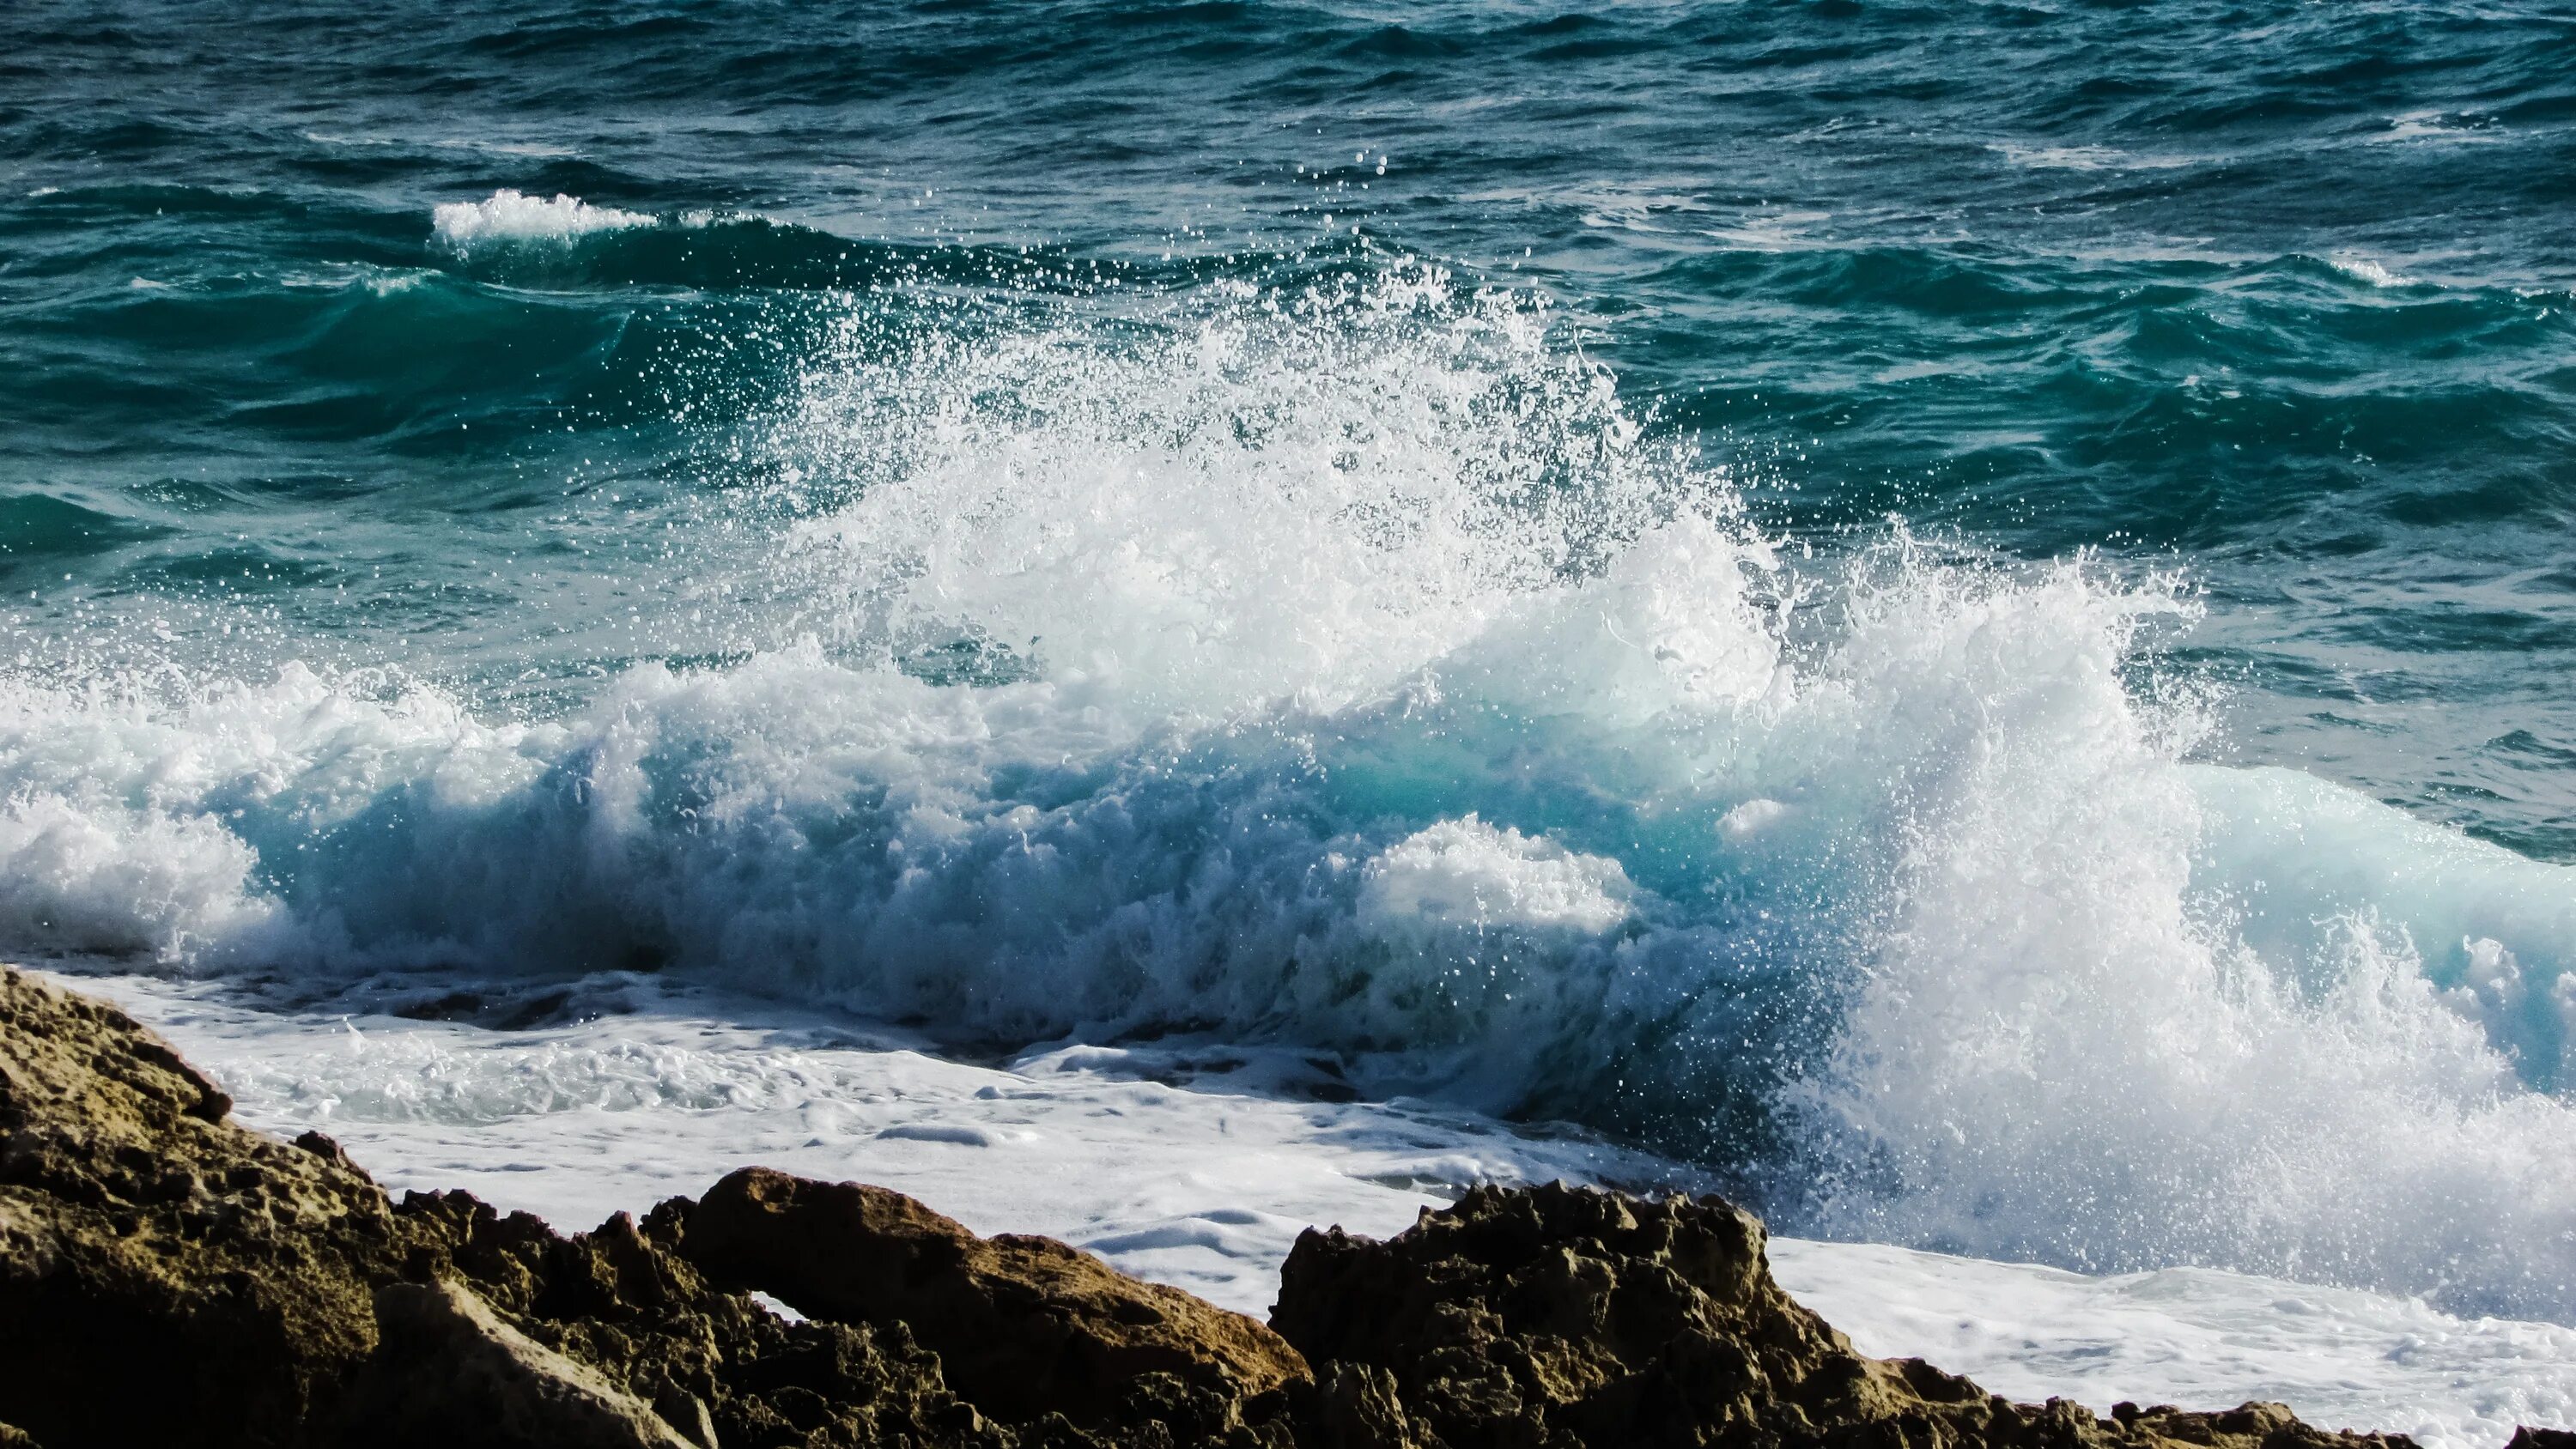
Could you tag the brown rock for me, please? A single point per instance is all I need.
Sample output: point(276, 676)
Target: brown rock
point(164, 1276)
point(715, 1366)
point(1023, 1326)
point(1356, 1407)
point(450, 1371)
point(1564, 1316)
point(169, 1277)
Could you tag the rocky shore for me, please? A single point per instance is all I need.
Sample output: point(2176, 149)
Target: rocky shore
point(168, 1277)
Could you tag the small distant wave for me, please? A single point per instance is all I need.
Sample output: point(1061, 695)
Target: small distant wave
point(2086, 158)
point(2440, 126)
point(566, 242)
point(512, 216)
point(2364, 269)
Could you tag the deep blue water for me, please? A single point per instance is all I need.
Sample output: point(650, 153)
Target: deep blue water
point(2278, 294)
point(1097, 518)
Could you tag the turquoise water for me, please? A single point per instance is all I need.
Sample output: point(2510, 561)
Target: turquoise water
point(1959, 612)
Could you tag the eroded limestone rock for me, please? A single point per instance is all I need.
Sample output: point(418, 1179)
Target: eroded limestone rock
point(1023, 1326)
point(169, 1277)
point(162, 1271)
point(1564, 1316)
point(449, 1368)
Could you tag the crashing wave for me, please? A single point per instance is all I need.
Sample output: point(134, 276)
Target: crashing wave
point(1349, 666)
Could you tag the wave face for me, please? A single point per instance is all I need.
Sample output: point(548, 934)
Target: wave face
point(1956, 613)
point(1347, 664)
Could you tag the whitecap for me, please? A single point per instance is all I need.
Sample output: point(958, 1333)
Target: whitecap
point(508, 215)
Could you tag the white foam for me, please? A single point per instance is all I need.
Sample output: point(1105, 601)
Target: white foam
point(2087, 158)
point(2439, 126)
point(2196, 1338)
point(2129, 1012)
point(1287, 617)
point(123, 881)
point(1263, 500)
point(1205, 1185)
point(511, 216)
point(1466, 874)
point(1752, 818)
point(2361, 268)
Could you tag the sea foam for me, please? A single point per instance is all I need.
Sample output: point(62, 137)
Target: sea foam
point(511, 216)
point(1347, 666)
point(1466, 874)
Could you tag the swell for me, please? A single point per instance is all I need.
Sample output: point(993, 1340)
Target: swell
point(2072, 70)
point(239, 328)
point(565, 243)
point(2136, 381)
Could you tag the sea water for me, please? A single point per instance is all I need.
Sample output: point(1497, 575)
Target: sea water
point(1164, 623)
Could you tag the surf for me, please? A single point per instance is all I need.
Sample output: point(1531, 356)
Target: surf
point(1348, 665)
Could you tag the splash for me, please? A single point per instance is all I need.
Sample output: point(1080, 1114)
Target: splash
point(1238, 499)
point(1345, 664)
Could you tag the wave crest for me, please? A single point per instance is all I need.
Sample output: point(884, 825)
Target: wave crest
point(510, 216)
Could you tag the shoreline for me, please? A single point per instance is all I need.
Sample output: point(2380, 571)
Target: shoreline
point(16, 978)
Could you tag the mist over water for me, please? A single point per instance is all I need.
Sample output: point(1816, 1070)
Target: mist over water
point(2030, 737)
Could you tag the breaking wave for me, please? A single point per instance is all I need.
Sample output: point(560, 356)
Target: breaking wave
point(1348, 664)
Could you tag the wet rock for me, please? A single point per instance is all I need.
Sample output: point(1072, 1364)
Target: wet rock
point(1565, 1316)
point(1023, 1326)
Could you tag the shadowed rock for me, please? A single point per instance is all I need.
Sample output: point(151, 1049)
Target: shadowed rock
point(162, 1272)
point(168, 1277)
point(449, 1367)
point(1023, 1326)
point(1566, 1316)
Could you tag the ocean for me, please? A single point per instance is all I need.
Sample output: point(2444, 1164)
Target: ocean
point(1163, 622)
